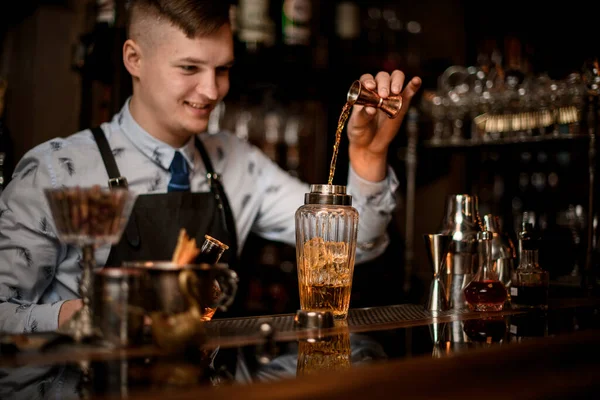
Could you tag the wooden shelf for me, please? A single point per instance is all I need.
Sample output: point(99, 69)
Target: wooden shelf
point(506, 141)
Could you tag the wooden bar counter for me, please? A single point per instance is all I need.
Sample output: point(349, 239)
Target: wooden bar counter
point(382, 352)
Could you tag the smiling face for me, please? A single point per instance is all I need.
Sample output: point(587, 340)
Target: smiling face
point(177, 80)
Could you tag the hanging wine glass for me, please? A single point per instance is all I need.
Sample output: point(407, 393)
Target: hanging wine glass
point(453, 83)
point(88, 218)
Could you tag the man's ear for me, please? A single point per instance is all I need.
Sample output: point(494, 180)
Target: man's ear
point(132, 57)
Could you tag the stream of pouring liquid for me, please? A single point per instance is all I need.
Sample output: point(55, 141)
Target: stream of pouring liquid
point(338, 135)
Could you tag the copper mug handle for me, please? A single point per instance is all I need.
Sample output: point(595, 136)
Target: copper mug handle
point(175, 332)
point(189, 285)
point(227, 280)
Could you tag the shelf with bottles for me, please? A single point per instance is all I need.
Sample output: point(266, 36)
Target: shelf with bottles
point(323, 44)
point(526, 144)
point(510, 140)
point(487, 106)
point(551, 184)
point(290, 132)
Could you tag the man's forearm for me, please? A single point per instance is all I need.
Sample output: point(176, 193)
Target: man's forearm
point(370, 167)
point(15, 318)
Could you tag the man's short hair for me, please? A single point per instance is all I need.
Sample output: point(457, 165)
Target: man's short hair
point(193, 17)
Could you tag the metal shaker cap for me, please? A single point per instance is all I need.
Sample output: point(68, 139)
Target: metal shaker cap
point(314, 319)
point(484, 235)
point(328, 194)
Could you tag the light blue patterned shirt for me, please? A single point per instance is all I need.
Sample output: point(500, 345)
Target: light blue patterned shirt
point(38, 273)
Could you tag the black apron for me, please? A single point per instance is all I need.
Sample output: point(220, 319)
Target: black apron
point(156, 219)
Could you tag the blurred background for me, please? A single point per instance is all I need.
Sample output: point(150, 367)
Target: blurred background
point(522, 67)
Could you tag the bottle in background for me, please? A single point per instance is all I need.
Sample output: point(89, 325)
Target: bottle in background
point(255, 38)
point(530, 282)
point(296, 16)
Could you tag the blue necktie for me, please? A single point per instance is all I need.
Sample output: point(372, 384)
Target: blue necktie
point(180, 180)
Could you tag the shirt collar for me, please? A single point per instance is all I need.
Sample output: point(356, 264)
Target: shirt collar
point(157, 151)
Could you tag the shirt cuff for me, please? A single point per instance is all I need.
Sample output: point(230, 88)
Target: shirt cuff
point(380, 193)
point(44, 317)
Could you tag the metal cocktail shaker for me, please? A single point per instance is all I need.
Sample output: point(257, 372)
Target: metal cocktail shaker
point(462, 222)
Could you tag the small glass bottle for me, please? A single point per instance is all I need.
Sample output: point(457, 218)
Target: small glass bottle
point(530, 282)
point(485, 292)
point(210, 253)
point(211, 250)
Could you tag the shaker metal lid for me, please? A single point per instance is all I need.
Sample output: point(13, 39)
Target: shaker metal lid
point(328, 194)
point(314, 319)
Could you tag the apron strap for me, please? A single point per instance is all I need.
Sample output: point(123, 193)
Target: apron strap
point(220, 196)
point(115, 179)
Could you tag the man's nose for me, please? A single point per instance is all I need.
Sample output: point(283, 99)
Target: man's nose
point(208, 87)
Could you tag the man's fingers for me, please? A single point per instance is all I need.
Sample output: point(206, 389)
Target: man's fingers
point(368, 81)
point(411, 89)
point(397, 81)
point(383, 84)
point(364, 115)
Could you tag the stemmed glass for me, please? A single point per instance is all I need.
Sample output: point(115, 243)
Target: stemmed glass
point(454, 83)
point(88, 218)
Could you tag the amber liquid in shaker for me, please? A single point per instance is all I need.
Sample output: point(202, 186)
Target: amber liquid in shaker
point(325, 282)
point(335, 298)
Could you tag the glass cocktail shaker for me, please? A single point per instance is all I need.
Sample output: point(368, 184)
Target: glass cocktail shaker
point(326, 231)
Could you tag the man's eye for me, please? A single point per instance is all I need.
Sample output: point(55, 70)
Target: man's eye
point(188, 68)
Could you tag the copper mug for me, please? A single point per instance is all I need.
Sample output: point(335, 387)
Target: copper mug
point(179, 296)
point(169, 296)
point(359, 94)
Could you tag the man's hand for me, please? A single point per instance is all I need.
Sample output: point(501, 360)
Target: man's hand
point(370, 132)
point(68, 309)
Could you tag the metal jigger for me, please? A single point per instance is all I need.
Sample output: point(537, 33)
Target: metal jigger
point(358, 94)
point(437, 246)
point(437, 332)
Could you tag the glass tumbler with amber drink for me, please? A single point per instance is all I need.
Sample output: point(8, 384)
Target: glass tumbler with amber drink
point(326, 231)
